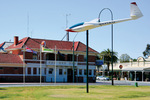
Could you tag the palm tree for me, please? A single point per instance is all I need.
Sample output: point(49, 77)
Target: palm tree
point(106, 55)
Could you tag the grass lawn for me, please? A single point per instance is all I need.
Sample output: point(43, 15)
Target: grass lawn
point(102, 92)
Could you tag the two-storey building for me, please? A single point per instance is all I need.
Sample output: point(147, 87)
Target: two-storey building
point(18, 63)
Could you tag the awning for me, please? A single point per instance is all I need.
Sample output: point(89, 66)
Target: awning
point(115, 70)
point(136, 69)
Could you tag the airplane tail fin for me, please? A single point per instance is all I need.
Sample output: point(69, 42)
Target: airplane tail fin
point(135, 12)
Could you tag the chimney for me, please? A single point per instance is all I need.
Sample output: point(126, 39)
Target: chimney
point(15, 40)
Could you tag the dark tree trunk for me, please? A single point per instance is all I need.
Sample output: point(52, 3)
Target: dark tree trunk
point(108, 69)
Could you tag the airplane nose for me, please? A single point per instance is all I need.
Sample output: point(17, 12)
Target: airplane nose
point(69, 30)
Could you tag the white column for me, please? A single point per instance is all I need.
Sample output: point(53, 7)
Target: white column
point(26, 70)
point(92, 72)
point(135, 75)
point(31, 70)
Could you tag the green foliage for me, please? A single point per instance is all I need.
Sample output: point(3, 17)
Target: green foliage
point(134, 60)
point(106, 55)
point(146, 53)
point(124, 58)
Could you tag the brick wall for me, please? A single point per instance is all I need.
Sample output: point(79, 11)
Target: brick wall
point(81, 58)
point(92, 58)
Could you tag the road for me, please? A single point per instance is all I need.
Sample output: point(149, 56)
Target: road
point(132, 83)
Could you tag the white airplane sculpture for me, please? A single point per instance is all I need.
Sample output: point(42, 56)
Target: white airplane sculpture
point(135, 13)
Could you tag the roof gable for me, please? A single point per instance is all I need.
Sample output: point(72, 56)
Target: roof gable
point(82, 47)
point(2, 44)
point(19, 45)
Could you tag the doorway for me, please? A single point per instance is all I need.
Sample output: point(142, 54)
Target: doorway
point(69, 75)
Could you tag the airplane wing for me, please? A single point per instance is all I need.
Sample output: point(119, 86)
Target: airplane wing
point(94, 20)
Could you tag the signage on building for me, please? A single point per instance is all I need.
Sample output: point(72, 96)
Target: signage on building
point(120, 66)
point(99, 62)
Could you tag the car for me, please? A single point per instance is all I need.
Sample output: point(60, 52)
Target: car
point(102, 78)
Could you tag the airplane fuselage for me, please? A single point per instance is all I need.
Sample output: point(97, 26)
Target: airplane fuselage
point(135, 13)
point(80, 27)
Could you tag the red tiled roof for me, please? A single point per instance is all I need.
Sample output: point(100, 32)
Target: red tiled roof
point(2, 44)
point(19, 45)
point(82, 47)
point(60, 45)
point(10, 58)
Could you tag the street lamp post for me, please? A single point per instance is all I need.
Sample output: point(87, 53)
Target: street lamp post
point(111, 39)
point(73, 56)
point(87, 64)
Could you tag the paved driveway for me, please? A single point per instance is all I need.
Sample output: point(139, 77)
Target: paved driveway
point(60, 84)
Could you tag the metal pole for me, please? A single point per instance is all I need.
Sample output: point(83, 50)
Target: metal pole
point(87, 72)
point(135, 75)
point(55, 63)
point(142, 75)
point(40, 65)
point(73, 61)
point(111, 39)
point(112, 49)
point(128, 76)
point(67, 36)
point(24, 65)
point(73, 56)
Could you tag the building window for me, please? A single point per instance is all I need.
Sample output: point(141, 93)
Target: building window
point(29, 70)
point(35, 56)
point(16, 68)
point(80, 71)
point(75, 71)
point(50, 56)
point(1, 68)
point(50, 70)
point(69, 57)
point(39, 70)
point(84, 71)
point(34, 70)
point(60, 71)
point(90, 72)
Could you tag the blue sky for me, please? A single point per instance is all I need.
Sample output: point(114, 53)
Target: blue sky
point(47, 20)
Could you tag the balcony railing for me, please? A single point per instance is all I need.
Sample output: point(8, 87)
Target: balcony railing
point(58, 63)
point(67, 63)
point(61, 63)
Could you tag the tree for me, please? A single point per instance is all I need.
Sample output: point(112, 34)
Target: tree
point(134, 59)
point(146, 53)
point(124, 58)
point(106, 55)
